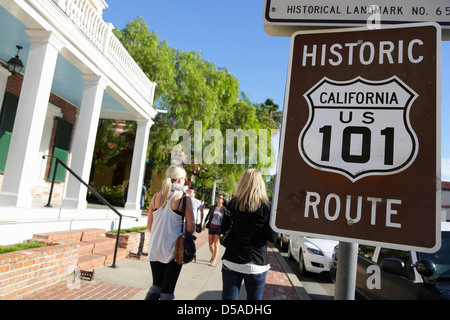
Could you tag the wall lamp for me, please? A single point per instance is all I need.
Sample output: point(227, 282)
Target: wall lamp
point(15, 65)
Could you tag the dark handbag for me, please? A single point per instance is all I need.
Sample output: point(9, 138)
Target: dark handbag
point(225, 238)
point(185, 249)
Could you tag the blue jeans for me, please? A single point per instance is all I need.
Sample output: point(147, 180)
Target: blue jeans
point(231, 280)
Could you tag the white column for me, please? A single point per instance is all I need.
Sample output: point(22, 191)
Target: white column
point(30, 118)
point(138, 165)
point(83, 142)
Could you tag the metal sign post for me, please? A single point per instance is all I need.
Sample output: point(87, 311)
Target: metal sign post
point(346, 272)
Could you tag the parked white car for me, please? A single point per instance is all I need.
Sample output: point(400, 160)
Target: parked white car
point(313, 254)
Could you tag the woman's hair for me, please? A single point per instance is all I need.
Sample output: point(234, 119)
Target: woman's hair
point(173, 173)
point(251, 192)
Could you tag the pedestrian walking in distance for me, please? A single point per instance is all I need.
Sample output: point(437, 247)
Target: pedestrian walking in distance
point(213, 222)
point(197, 209)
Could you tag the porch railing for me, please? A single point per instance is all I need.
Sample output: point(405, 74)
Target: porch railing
point(95, 193)
point(91, 23)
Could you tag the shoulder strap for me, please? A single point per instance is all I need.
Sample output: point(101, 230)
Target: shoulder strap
point(183, 215)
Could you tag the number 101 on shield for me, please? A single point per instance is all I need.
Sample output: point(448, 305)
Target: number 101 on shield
point(359, 128)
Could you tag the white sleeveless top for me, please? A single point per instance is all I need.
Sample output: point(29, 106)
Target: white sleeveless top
point(166, 228)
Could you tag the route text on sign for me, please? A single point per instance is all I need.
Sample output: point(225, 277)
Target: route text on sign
point(331, 210)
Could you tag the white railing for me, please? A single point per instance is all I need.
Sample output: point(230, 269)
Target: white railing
point(90, 21)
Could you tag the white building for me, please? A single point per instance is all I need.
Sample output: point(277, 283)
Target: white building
point(446, 200)
point(75, 73)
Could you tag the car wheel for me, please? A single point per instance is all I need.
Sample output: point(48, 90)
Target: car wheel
point(301, 264)
point(289, 253)
point(282, 243)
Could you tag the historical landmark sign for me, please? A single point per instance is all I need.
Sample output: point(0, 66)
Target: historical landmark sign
point(281, 17)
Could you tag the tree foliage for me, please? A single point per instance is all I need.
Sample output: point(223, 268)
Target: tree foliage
point(195, 91)
point(109, 144)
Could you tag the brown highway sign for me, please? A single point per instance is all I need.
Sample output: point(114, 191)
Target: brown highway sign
point(359, 156)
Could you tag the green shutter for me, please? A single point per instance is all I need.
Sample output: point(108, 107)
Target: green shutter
point(7, 118)
point(61, 148)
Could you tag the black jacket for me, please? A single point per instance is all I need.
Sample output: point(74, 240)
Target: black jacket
point(209, 216)
point(249, 235)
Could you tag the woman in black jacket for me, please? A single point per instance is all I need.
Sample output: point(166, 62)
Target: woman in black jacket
point(213, 222)
point(245, 256)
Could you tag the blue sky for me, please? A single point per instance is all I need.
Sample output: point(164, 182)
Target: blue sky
point(230, 34)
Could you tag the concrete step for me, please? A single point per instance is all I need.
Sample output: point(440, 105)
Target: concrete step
point(109, 254)
point(70, 236)
point(91, 261)
point(96, 250)
point(99, 244)
point(94, 260)
point(92, 233)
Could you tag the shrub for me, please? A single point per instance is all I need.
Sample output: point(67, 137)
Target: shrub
point(135, 229)
point(113, 195)
point(21, 246)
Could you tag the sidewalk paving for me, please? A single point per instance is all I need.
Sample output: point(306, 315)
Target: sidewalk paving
point(198, 281)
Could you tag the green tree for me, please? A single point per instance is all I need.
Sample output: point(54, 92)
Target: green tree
point(109, 144)
point(192, 90)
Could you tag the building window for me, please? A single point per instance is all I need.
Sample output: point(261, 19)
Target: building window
point(7, 117)
point(61, 148)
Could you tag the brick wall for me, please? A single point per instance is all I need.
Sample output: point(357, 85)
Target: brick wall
point(14, 85)
point(24, 272)
point(42, 192)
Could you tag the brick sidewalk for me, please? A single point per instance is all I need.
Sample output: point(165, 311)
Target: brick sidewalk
point(95, 290)
point(278, 286)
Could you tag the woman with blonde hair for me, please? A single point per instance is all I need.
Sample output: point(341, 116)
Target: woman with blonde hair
point(245, 257)
point(164, 223)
